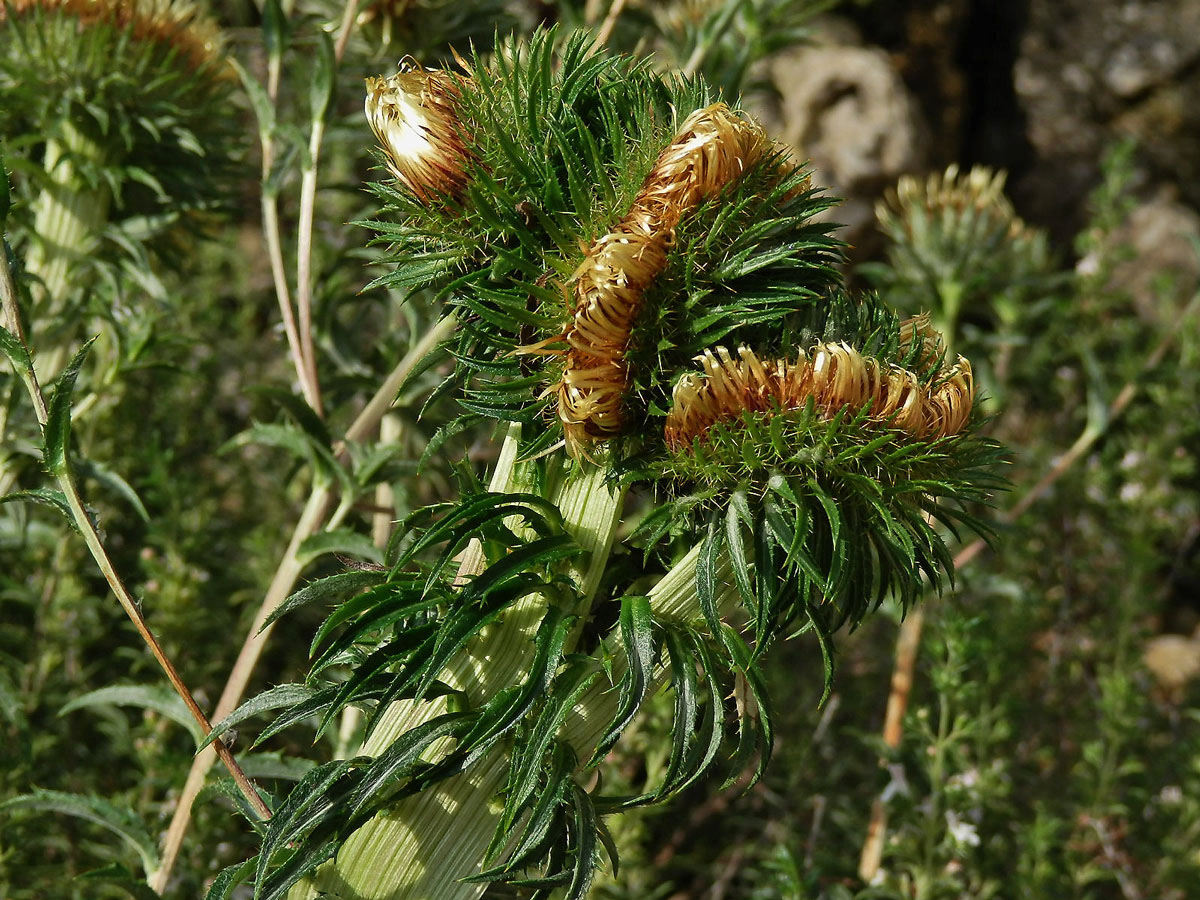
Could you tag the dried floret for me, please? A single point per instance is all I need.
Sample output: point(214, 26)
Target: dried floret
point(832, 377)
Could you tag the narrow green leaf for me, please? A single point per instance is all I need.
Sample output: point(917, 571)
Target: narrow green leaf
point(57, 431)
point(737, 515)
point(159, 699)
point(399, 759)
point(683, 722)
point(275, 28)
point(586, 827)
point(529, 755)
point(325, 589)
point(264, 109)
point(301, 413)
point(229, 878)
point(316, 797)
point(276, 697)
point(755, 732)
point(706, 576)
point(637, 637)
point(121, 821)
point(342, 541)
point(56, 500)
point(88, 468)
point(538, 824)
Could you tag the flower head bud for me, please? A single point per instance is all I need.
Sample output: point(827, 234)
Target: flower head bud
point(414, 117)
point(961, 225)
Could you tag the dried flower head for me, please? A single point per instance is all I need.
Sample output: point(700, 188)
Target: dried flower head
point(831, 376)
point(178, 25)
point(713, 147)
point(414, 117)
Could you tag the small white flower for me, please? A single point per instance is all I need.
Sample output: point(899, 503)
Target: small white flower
point(963, 833)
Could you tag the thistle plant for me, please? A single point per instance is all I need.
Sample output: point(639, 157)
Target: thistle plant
point(116, 119)
point(595, 231)
point(958, 248)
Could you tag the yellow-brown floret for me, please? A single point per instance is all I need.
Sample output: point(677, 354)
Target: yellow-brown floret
point(713, 147)
point(833, 377)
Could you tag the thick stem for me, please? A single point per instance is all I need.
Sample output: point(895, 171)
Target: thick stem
point(69, 215)
point(420, 849)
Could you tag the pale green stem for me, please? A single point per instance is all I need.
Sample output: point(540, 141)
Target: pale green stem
point(69, 215)
point(68, 218)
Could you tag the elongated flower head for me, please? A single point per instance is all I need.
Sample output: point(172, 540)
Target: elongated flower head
point(413, 115)
point(713, 148)
point(833, 377)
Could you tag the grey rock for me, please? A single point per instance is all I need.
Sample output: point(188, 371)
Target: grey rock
point(846, 109)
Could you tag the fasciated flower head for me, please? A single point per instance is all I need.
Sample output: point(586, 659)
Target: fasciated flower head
point(713, 148)
point(833, 377)
point(413, 115)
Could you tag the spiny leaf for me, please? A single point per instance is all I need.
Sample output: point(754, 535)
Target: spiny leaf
point(278, 696)
point(325, 589)
point(637, 637)
point(586, 827)
point(159, 699)
point(14, 349)
point(56, 500)
point(401, 756)
point(530, 752)
point(229, 878)
point(57, 430)
point(308, 804)
point(341, 541)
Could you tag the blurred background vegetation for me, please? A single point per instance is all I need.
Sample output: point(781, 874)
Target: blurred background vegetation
point(1051, 746)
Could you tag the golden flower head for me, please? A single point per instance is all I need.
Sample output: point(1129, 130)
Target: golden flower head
point(713, 148)
point(414, 116)
point(832, 377)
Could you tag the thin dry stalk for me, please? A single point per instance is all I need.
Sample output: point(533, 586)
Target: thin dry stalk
point(311, 520)
point(610, 21)
point(91, 536)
